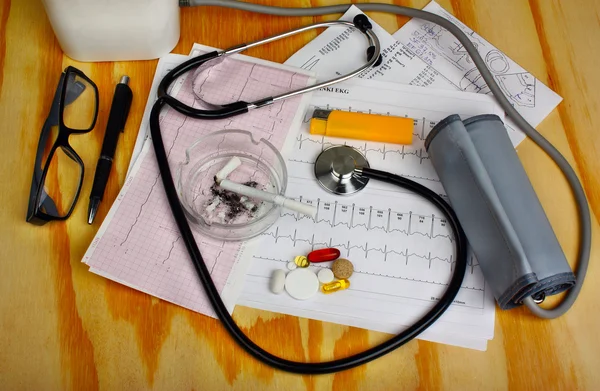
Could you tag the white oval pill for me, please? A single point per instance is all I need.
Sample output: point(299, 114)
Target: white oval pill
point(277, 282)
point(301, 283)
point(292, 266)
point(325, 276)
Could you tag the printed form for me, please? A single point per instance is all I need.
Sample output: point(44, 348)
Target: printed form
point(409, 265)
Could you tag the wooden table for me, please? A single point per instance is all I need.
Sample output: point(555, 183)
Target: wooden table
point(64, 327)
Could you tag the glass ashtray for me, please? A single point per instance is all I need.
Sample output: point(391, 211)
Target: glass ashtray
point(219, 213)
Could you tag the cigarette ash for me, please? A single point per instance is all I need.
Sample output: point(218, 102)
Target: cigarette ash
point(229, 207)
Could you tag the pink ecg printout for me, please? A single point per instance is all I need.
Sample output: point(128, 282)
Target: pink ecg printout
point(139, 244)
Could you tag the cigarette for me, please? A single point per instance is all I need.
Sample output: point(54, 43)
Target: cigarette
point(251, 192)
point(231, 165)
point(276, 199)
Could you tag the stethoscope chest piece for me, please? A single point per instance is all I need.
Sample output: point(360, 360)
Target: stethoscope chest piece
point(335, 170)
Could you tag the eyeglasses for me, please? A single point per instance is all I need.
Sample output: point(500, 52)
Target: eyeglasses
point(58, 170)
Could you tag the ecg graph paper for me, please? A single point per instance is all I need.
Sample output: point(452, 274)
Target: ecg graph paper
point(139, 244)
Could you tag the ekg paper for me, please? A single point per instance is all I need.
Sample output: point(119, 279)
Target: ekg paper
point(165, 65)
point(139, 244)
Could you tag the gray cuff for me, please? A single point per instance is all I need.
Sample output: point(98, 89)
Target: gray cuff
point(497, 207)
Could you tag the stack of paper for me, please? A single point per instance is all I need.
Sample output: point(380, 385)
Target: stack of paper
point(138, 243)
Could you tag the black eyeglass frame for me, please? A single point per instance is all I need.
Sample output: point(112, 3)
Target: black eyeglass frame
point(35, 214)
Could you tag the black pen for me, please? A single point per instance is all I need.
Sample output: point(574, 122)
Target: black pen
point(119, 111)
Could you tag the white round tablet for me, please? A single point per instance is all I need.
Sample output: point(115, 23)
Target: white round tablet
point(301, 283)
point(325, 276)
point(292, 266)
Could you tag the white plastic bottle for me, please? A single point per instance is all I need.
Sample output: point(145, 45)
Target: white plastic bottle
point(114, 30)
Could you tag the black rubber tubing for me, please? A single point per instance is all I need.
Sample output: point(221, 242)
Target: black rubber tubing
point(238, 335)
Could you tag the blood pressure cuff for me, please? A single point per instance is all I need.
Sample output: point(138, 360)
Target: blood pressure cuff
point(498, 209)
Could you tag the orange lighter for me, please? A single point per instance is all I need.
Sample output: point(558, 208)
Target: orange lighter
point(362, 126)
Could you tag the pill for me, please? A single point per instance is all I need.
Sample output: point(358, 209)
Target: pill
point(323, 255)
point(301, 261)
point(325, 276)
point(342, 268)
point(335, 286)
point(291, 266)
point(277, 282)
point(301, 284)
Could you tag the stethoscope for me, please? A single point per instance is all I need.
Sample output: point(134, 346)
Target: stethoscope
point(361, 23)
point(342, 170)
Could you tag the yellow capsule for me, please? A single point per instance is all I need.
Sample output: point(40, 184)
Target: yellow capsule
point(335, 286)
point(301, 261)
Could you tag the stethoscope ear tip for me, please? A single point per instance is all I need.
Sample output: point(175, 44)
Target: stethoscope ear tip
point(361, 21)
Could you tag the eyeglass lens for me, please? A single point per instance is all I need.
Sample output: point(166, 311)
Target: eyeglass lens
point(62, 181)
point(78, 115)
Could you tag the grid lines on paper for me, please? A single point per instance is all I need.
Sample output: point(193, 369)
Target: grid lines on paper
point(142, 246)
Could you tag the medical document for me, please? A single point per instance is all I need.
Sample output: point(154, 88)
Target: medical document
point(139, 244)
point(444, 53)
point(400, 245)
point(427, 55)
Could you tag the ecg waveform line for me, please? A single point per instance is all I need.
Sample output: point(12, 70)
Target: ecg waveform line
point(366, 249)
point(377, 274)
point(339, 208)
point(403, 151)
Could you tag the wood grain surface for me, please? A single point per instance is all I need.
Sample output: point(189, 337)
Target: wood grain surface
point(62, 327)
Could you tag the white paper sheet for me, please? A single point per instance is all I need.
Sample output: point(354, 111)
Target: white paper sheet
point(459, 340)
point(399, 244)
point(338, 51)
point(420, 54)
point(444, 53)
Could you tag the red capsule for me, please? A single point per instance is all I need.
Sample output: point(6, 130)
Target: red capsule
point(323, 255)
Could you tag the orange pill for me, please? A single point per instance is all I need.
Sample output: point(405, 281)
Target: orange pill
point(335, 286)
